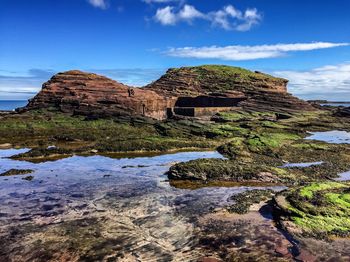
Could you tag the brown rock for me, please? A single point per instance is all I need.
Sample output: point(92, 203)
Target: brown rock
point(188, 91)
point(256, 91)
point(90, 94)
point(306, 256)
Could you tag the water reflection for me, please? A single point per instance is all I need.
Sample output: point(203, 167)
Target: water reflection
point(334, 137)
point(96, 207)
point(301, 165)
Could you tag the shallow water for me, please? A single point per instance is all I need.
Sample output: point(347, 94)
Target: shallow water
point(301, 165)
point(334, 137)
point(345, 176)
point(96, 207)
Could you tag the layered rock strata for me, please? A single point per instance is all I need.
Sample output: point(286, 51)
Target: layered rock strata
point(183, 90)
point(90, 94)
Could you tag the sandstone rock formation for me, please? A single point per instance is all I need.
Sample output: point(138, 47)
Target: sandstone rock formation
point(188, 91)
point(257, 91)
point(90, 94)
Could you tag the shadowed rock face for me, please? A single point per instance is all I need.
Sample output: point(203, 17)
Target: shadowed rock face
point(93, 95)
point(343, 111)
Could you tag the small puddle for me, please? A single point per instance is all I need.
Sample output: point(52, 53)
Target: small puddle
point(301, 165)
point(333, 137)
point(343, 176)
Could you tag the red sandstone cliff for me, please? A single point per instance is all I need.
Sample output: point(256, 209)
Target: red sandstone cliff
point(261, 92)
point(91, 94)
point(82, 93)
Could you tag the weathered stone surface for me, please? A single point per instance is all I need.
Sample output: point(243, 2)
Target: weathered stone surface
point(258, 91)
point(185, 88)
point(90, 94)
point(343, 112)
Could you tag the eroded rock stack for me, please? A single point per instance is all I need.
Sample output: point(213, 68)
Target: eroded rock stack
point(90, 94)
point(261, 92)
point(83, 93)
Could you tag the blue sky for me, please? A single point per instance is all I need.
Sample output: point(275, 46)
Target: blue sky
point(135, 41)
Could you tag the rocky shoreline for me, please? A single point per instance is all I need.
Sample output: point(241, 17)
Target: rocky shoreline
point(86, 114)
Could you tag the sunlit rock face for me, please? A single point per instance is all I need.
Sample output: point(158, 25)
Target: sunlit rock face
point(179, 91)
point(90, 94)
point(253, 90)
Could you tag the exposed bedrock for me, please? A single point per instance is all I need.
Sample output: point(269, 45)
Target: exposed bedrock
point(343, 112)
point(186, 91)
point(90, 94)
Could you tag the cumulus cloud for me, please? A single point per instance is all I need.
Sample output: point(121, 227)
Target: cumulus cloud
point(167, 15)
point(239, 52)
point(228, 18)
point(327, 82)
point(98, 3)
point(231, 18)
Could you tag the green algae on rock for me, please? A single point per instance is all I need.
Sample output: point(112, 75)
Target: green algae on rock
point(317, 209)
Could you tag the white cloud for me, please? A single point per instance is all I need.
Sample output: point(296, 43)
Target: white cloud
point(231, 18)
point(238, 52)
point(98, 3)
point(228, 18)
point(189, 13)
point(326, 82)
point(166, 16)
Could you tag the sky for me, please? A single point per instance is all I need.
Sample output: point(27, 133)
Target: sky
point(136, 41)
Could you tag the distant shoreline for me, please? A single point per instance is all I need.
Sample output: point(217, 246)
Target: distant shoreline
point(328, 102)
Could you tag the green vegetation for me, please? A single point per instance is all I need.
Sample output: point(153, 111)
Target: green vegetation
point(223, 71)
point(319, 209)
point(256, 145)
point(76, 134)
point(217, 78)
point(224, 170)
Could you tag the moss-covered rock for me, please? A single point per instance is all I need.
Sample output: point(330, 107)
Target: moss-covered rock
point(223, 170)
point(318, 209)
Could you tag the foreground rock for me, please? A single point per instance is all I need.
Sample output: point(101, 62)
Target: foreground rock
point(207, 170)
point(320, 210)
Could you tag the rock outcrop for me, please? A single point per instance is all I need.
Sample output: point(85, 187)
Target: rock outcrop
point(257, 91)
point(343, 112)
point(188, 91)
point(90, 94)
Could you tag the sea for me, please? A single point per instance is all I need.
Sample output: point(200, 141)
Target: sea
point(346, 104)
point(12, 104)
